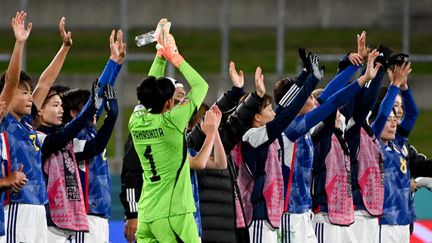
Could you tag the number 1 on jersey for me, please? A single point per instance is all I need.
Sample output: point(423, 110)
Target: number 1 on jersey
point(148, 155)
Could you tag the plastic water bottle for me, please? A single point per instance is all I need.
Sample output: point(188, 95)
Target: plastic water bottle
point(145, 39)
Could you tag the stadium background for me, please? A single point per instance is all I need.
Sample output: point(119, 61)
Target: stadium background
point(209, 33)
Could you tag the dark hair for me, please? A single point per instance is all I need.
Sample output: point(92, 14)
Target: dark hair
point(281, 87)
point(51, 93)
point(73, 100)
point(60, 89)
point(24, 80)
point(267, 101)
point(153, 93)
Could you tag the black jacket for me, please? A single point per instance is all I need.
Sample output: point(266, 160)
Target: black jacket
point(131, 180)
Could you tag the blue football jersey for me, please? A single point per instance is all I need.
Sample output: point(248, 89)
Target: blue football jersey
point(398, 202)
point(297, 182)
point(95, 178)
point(23, 147)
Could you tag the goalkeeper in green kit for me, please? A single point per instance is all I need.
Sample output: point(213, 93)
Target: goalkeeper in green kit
point(166, 206)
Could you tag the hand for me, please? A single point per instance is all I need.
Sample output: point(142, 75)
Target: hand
point(168, 48)
point(17, 23)
point(96, 100)
point(355, 59)
point(413, 186)
point(66, 37)
point(236, 78)
point(218, 114)
point(130, 229)
point(17, 179)
point(210, 126)
point(3, 112)
point(316, 70)
point(371, 69)
point(305, 59)
point(117, 47)
point(362, 50)
point(400, 74)
point(259, 82)
point(110, 94)
point(158, 31)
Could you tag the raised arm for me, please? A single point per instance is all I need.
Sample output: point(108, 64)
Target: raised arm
point(50, 74)
point(210, 127)
point(117, 55)
point(98, 144)
point(113, 66)
point(199, 86)
point(274, 128)
point(411, 111)
point(347, 68)
point(157, 68)
point(12, 75)
point(336, 100)
point(397, 77)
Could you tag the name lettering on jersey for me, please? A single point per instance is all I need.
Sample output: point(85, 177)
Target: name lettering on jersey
point(148, 134)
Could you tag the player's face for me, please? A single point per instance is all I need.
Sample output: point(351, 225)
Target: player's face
point(51, 113)
point(266, 115)
point(179, 94)
point(398, 106)
point(389, 132)
point(22, 101)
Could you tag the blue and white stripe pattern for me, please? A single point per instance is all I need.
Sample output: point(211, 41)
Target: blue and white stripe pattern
point(79, 237)
point(285, 228)
point(130, 198)
point(319, 232)
point(289, 95)
point(257, 233)
point(11, 224)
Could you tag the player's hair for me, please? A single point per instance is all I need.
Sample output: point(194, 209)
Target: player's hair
point(73, 100)
point(51, 93)
point(24, 81)
point(154, 92)
point(281, 87)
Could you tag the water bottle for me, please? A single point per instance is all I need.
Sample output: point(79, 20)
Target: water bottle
point(145, 39)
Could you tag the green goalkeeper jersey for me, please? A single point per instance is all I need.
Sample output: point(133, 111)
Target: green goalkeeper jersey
point(159, 141)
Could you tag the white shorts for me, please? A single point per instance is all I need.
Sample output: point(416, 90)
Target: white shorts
point(365, 227)
point(394, 234)
point(98, 231)
point(56, 235)
point(26, 223)
point(327, 232)
point(261, 231)
point(297, 228)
